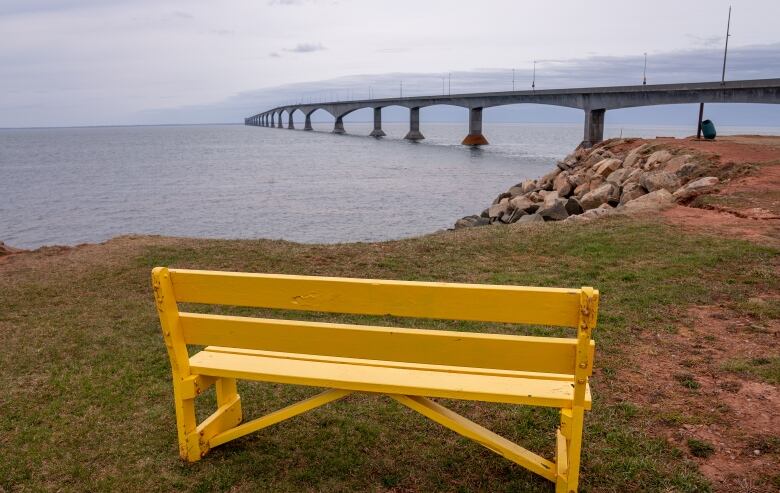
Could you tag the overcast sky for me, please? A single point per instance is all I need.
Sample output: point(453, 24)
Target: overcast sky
point(93, 62)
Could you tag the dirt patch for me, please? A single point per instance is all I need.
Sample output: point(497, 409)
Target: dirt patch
point(728, 423)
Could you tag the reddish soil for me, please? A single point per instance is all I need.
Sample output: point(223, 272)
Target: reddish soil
point(747, 205)
point(680, 377)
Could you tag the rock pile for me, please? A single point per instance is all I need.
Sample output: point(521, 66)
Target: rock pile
point(594, 182)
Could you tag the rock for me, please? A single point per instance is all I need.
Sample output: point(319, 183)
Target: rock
point(607, 166)
point(657, 158)
point(600, 211)
point(501, 197)
point(546, 181)
point(516, 214)
point(674, 164)
point(658, 180)
point(695, 188)
point(618, 175)
point(523, 203)
point(632, 191)
point(556, 211)
point(535, 196)
point(530, 218)
point(633, 176)
point(561, 180)
point(656, 200)
point(573, 206)
point(485, 213)
point(635, 156)
point(471, 221)
point(600, 195)
point(689, 170)
point(596, 182)
point(498, 210)
point(515, 191)
point(528, 186)
point(582, 189)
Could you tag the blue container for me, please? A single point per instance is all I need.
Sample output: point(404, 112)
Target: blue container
point(708, 129)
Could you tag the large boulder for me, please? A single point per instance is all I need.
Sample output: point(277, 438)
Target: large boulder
point(600, 211)
point(501, 197)
point(618, 175)
point(471, 221)
point(696, 188)
point(498, 210)
point(530, 218)
point(632, 176)
point(652, 201)
point(573, 206)
point(561, 180)
point(632, 191)
point(523, 203)
point(658, 180)
point(546, 182)
point(555, 211)
point(677, 162)
point(635, 156)
point(606, 167)
point(689, 170)
point(601, 195)
point(657, 158)
point(528, 186)
point(515, 191)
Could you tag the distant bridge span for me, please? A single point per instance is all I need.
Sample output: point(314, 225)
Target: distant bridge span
point(594, 101)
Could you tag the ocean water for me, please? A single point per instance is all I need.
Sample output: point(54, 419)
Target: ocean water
point(76, 185)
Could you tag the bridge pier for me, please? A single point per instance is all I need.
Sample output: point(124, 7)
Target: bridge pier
point(594, 127)
point(338, 127)
point(475, 137)
point(279, 121)
point(307, 125)
point(290, 124)
point(377, 132)
point(414, 125)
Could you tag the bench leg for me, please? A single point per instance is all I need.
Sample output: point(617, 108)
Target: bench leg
point(186, 422)
point(569, 445)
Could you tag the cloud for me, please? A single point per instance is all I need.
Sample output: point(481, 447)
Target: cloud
point(306, 48)
point(274, 54)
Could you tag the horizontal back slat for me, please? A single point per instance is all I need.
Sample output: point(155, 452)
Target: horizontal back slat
point(488, 303)
point(435, 347)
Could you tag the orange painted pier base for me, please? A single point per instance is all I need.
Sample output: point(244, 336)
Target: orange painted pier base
point(475, 140)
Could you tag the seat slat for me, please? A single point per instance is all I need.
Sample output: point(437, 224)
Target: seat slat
point(479, 302)
point(436, 347)
point(549, 393)
point(393, 364)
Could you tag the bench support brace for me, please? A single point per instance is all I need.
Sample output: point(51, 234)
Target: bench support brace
point(479, 434)
point(278, 416)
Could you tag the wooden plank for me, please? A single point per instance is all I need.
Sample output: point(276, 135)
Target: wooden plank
point(436, 347)
point(561, 456)
point(550, 393)
point(511, 304)
point(393, 364)
point(224, 418)
point(479, 434)
point(280, 415)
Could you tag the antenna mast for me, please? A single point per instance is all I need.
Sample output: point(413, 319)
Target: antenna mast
point(726, 51)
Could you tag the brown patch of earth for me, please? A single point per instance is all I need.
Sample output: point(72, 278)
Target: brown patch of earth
point(748, 203)
point(680, 377)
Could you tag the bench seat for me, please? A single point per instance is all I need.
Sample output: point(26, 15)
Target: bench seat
point(514, 387)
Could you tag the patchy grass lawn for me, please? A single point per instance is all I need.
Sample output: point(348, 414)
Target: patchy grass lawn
point(87, 401)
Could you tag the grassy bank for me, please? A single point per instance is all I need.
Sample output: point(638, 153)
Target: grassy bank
point(86, 401)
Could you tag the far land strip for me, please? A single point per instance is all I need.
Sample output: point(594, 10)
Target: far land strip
point(687, 380)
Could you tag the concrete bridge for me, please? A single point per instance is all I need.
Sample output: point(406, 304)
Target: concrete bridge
point(594, 101)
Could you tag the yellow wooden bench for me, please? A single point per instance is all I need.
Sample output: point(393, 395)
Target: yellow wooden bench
point(408, 365)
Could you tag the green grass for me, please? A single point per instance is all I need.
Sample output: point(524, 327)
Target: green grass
point(700, 448)
point(766, 369)
point(87, 406)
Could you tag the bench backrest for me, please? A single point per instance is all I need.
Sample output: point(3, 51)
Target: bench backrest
point(575, 308)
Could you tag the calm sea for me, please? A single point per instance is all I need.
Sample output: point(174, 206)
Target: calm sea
point(75, 185)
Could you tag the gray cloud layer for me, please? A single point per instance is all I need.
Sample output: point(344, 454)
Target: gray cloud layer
point(751, 62)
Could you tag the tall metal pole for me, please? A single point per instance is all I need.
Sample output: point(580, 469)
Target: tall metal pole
point(533, 81)
point(644, 72)
point(726, 51)
point(449, 84)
